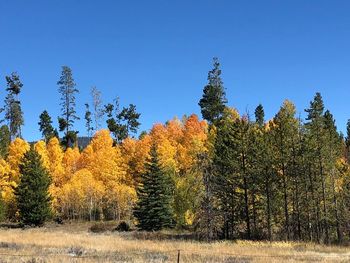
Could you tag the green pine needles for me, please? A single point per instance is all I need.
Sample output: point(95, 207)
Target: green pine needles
point(33, 199)
point(153, 210)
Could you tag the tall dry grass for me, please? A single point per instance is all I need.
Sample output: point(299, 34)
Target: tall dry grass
point(74, 243)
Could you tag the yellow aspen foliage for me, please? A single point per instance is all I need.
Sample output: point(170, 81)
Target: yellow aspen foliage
point(193, 142)
point(85, 157)
point(106, 162)
point(56, 170)
point(55, 154)
point(40, 148)
point(174, 130)
point(70, 163)
point(166, 148)
point(82, 194)
point(135, 153)
point(17, 149)
point(5, 183)
point(107, 165)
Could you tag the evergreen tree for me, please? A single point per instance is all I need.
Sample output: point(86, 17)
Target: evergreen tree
point(347, 141)
point(45, 126)
point(316, 151)
point(153, 209)
point(333, 151)
point(214, 99)
point(285, 132)
point(67, 89)
point(259, 115)
point(33, 199)
point(122, 123)
point(5, 140)
point(13, 110)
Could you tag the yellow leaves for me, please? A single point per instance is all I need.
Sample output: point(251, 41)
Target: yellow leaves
point(4, 169)
point(70, 163)
point(167, 154)
point(102, 140)
point(82, 190)
point(40, 148)
point(17, 149)
point(189, 217)
point(104, 160)
point(179, 143)
point(9, 171)
point(135, 154)
point(104, 175)
point(55, 155)
point(5, 183)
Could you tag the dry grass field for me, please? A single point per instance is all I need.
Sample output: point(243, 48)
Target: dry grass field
point(74, 243)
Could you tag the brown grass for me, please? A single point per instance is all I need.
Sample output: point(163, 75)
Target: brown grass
point(74, 243)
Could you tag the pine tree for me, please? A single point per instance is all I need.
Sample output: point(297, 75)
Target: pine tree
point(122, 123)
point(333, 151)
point(5, 140)
point(33, 199)
point(67, 89)
point(45, 126)
point(316, 145)
point(214, 98)
point(13, 110)
point(153, 209)
point(347, 141)
point(285, 132)
point(259, 115)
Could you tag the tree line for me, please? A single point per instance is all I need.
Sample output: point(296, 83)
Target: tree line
point(227, 176)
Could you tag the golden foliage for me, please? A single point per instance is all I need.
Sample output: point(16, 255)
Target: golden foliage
point(105, 175)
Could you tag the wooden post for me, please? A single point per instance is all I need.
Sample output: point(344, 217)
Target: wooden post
point(178, 256)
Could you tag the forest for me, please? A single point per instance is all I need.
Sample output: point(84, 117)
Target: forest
point(228, 175)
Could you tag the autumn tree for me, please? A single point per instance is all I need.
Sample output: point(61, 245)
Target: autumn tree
point(57, 172)
point(82, 196)
point(108, 166)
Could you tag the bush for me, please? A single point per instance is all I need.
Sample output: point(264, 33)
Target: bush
point(100, 228)
point(123, 227)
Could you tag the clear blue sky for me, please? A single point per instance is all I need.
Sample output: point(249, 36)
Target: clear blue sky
point(156, 54)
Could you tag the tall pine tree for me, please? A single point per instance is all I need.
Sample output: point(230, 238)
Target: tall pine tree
point(13, 110)
point(33, 199)
point(153, 209)
point(67, 89)
point(214, 99)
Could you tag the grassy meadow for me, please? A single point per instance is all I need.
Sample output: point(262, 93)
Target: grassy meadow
point(75, 243)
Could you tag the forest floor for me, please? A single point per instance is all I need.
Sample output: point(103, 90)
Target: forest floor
point(75, 243)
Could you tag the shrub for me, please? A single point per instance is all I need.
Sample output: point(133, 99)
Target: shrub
point(123, 227)
point(100, 228)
